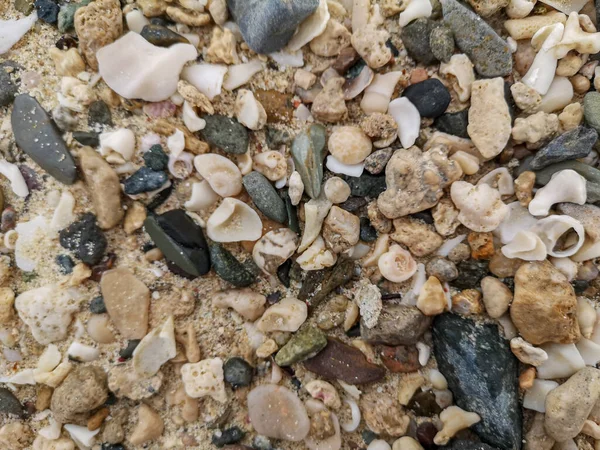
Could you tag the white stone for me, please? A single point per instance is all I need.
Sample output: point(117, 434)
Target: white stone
point(481, 207)
point(207, 78)
point(378, 94)
point(589, 351)
point(351, 170)
point(121, 141)
point(11, 31)
point(81, 435)
point(454, 419)
point(63, 213)
point(14, 175)
point(155, 349)
point(317, 256)
point(563, 361)
point(204, 379)
point(564, 186)
point(286, 58)
point(558, 96)
point(517, 219)
point(29, 233)
point(191, 119)
point(535, 396)
point(310, 28)
point(136, 21)
point(407, 118)
point(81, 352)
point(416, 9)
point(247, 303)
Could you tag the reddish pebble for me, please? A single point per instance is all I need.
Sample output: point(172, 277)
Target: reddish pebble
point(418, 75)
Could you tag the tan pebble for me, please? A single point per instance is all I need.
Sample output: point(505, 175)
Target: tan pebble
point(351, 315)
point(218, 11)
point(580, 84)
point(134, 219)
point(526, 378)
point(524, 187)
point(7, 300)
point(222, 47)
point(329, 104)
point(384, 415)
point(432, 298)
point(378, 221)
point(496, 296)
point(98, 327)
point(5, 270)
point(81, 272)
point(406, 443)
point(571, 116)
point(382, 128)
point(153, 255)
point(482, 245)
point(188, 339)
point(419, 237)
point(148, 427)
point(569, 65)
point(67, 63)
point(247, 303)
point(390, 8)
point(96, 420)
point(267, 348)
point(504, 267)
point(536, 129)
point(194, 97)
point(205, 379)
point(15, 436)
point(527, 353)
point(454, 419)
point(459, 253)
point(190, 18)
point(526, 98)
point(43, 396)
point(341, 229)
point(418, 74)
point(349, 145)
point(271, 164)
point(331, 42)
point(369, 42)
point(113, 432)
point(408, 387)
point(467, 162)
point(152, 8)
point(304, 79)
point(467, 302)
point(336, 190)
point(123, 381)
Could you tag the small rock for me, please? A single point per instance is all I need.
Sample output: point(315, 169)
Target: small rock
point(375, 163)
point(276, 138)
point(349, 145)
point(442, 269)
point(424, 404)
point(97, 305)
point(470, 274)
point(148, 427)
point(419, 237)
point(24, 6)
point(588, 215)
point(574, 144)
point(341, 229)
point(229, 268)
point(47, 10)
point(127, 300)
point(99, 114)
point(415, 37)
point(9, 404)
point(307, 153)
point(156, 158)
point(303, 345)
point(265, 196)
point(329, 104)
point(335, 360)
point(496, 296)
point(85, 239)
point(237, 372)
point(366, 185)
point(430, 97)
point(591, 110)
point(155, 349)
point(400, 359)
point(124, 382)
point(65, 263)
point(36, 134)
point(441, 42)
point(384, 415)
point(66, 16)
point(161, 36)
point(454, 123)
point(88, 138)
point(370, 43)
point(367, 232)
point(228, 436)
point(489, 52)
point(204, 379)
point(397, 325)
point(8, 87)
point(432, 298)
point(144, 180)
point(225, 134)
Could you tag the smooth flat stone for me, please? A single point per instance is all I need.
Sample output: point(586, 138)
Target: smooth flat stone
point(225, 134)
point(36, 134)
point(265, 196)
point(574, 144)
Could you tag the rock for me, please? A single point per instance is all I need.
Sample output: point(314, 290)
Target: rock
point(329, 104)
point(424, 404)
point(366, 185)
point(65, 263)
point(36, 134)
point(9, 404)
point(496, 296)
point(303, 345)
point(375, 163)
point(430, 97)
point(415, 37)
point(237, 372)
point(370, 43)
point(127, 300)
point(124, 382)
point(470, 273)
point(488, 52)
point(127, 352)
point(400, 359)
point(544, 308)
point(384, 415)
point(265, 196)
point(482, 374)
point(181, 241)
point(228, 436)
point(63, 119)
point(99, 114)
point(442, 269)
point(349, 145)
point(307, 153)
point(420, 238)
point(341, 229)
point(84, 238)
point(432, 298)
point(103, 184)
point(340, 361)
point(66, 16)
point(397, 325)
point(24, 6)
point(367, 232)
point(87, 138)
point(156, 158)
point(162, 36)
point(149, 426)
point(82, 391)
point(98, 24)
point(47, 10)
point(346, 58)
point(8, 88)
point(144, 180)
point(457, 444)
point(229, 268)
point(441, 42)
point(267, 26)
point(574, 144)
point(411, 183)
point(454, 123)
point(97, 305)
point(225, 134)
point(591, 110)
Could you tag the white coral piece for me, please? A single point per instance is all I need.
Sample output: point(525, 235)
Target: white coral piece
point(574, 38)
point(541, 73)
point(407, 118)
point(481, 207)
point(564, 186)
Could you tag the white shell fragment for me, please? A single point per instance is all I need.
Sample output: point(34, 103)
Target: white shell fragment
point(134, 68)
point(81, 352)
point(155, 349)
point(574, 38)
point(234, 221)
point(240, 74)
point(28, 234)
point(247, 303)
point(564, 186)
point(205, 379)
point(377, 96)
point(407, 118)
point(499, 179)
point(11, 31)
point(207, 78)
point(82, 435)
point(222, 174)
point(202, 197)
point(563, 361)
point(121, 141)
point(63, 213)
point(191, 119)
point(481, 207)
point(136, 21)
point(553, 228)
point(535, 396)
point(397, 264)
point(14, 175)
point(541, 73)
point(415, 10)
point(248, 111)
point(517, 219)
point(558, 96)
point(311, 27)
point(525, 245)
point(352, 170)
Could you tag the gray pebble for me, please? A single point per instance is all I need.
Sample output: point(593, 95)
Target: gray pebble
point(574, 144)
point(442, 269)
point(442, 43)
point(376, 161)
point(226, 134)
point(415, 37)
point(265, 196)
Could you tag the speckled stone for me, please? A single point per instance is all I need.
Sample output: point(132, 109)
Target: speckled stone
point(237, 372)
point(376, 161)
point(84, 238)
point(415, 37)
point(8, 87)
point(265, 196)
point(303, 345)
point(47, 10)
point(574, 144)
point(144, 180)
point(441, 42)
point(591, 110)
point(229, 268)
point(156, 158)
point(226, 134)
point(9, 404)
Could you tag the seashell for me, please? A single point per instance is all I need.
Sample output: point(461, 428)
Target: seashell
point(551, 229)
point(234, 221)
point(525, 245)
point(354, 87)
point(274, 248)
point(564, 186)
point(191, 119)
point(82, 435)
point(499, 179)
point(381, 246)
point(148, 140)
point(202, 197)
point(317, 256)
point(377, 96)
point(574, 38)
point(176, 142)
point(397, 264)
point(418, 281)
point(244, 163)
point(535, 396)
point(63, 213)
point(181, 166)
point(134, 68)
point(315, 211)
point(248, 111)
point(207, 78)
point(14, 175)
point(415, 10)
point(517, 219)
point(247, 303)
point(82, 353)
point(28, 233)
point(563, 361)
point(240, 74)
point(310, 28)
point(223, 175)
point(287, 315)
point(11, 31)
point(155, 349)
point(460, 68)
point(121, 141)
point(296, 188)
point(589, 250)
point(136, 20)
point(567, 267)
point(481, 208)
point(286, 58)
point(407, 118)
point(303, 114)
point(541, 73)
point(558, 96)
point(322, 390)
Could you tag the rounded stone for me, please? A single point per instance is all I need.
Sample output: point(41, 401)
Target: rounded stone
point(65, 264)
point(237, 372)
point(442, 269)
point(430, 97)
point(144, 180)
point(442, 43)
point(226, 134)
point(47, 10)
point(349, 145)
point(228, 436)
point(97, 305)
point(85, 239)
point(265, 196)
point(229, 268)
point(156, 158)
point(162, 36)
point(415, 37)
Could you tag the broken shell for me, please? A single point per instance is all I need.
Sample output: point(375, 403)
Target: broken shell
point(240, 74)
point(564, 186)
point(315, 211)
point(574, 38)
point(317, 256)
point(82, 353)
point(454, 419)
point(296, 188)
point(207, 78)
point(499, 179)
point(354, 87)
point(155, 349)
point(415, 10)
point(407, 118)
point(377, 96)
point(481, 208)
point(248, 111)
point(287, 315)
point(223, 175)
point(553, 228)
point(460, 68)
point(397, 264)
point(181, 166)
point(525, 28)
point(202, 197)
point(517, 219)
point(191, 119)
point(541, 73)
point(381, 246)
point(247, 303)
point(234, 221)
point(271, 164)
point(535, 396)
point(558, 96)
point(525, 245)
point(527, 353)
point(121, 141)
point(322, 390)
point(310, 28)
point(352, 170)
point(274, 248)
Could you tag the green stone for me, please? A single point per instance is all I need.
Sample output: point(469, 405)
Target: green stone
point(591, 109)
point(340, 275)
point(229, 268)
point(308, 153)
point(265, 196)
point(162, 36)
point(303, 345)
point(24, 6)
point(66, 15)
point(226, 134)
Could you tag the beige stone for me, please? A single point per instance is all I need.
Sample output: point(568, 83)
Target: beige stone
point(329, 104)
point(419, 237)
point(378, 221)
point(496, 296)
point(152, 8)
point(67, 64)
point(544, 308)
point(103, 184)
point(218, 11)
point(134, 218)
point(384, 415)
point(432, 298)
point(369, 42)
point(341, 229)
point(571, 117)
point(331, 42)
point(445, 217)
point(124, 382)
point(194, 97)
point(487, 8)
point(148, 427)
point(526, 98)
point(62, 443)
point(349, 145)
point(304, 79)
point(7, 300)
point(336, 190)
point(535, 129)
point(127, 300)
point(15, 436)
point(382, 128)
point(524, 187)
point(527, 353)
point(222, 47)
point(467, 303)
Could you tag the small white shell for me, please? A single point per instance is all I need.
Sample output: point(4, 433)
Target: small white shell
point(454, 420)
point(234, 221)
point(574, 38)
point(248, 111)
point(287, 58)
point(63, 213)
point(191, 119)
point(176, 143)
point(121, 141)
point(589, 250)
point(296, 188)
point(14, 175)
point(181, 166)
point(552, 228)
point(244, 163)
point(563, 361)
point(381, 246)
point(317, 256)
point(82, 352)
point(81, 434)
point(525, 245)
point(415, 10)
point(311, 27)
point(569, 269)
point(207, 78)
point(500, 179)
point(481, 208)
point(377, 96)
point(517, 219)
point(351, 426)
point(352, 170)
point(460, 67)
point(407, 118)
point(202, 197)
point(541, 73)
point(223, 175)
point(397, 264)
point(240, 74)
point(564, 186)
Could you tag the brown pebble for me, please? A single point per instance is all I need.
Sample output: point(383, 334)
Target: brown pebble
point(526, 378)
point(482, 245)
point(347, 57)
point(580, 83)
point(402, 358)
point(97, 418)
point(44, 394)
point(467, 302)
point(425, 434)
point(154, 255)
point(418, 75)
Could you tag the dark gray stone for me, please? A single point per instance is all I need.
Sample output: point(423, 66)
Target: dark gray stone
point(308, 153)
point(367, 232)
point(162, 36)
point(156, 158)
point(8, 88)
point(468, 445)
point(430, 97)
point(488, 52)
point(415, 37)
point(97, 305)
point(66, 16)
point(226, 134)
point(65, 264)
point(268, 25)
point(442, 269)
point(591, 110)
point(47, 10)
point(441, 42)
point(85, 239)
point(99, 114)
point(470, 273)
point(36, 135)
point(482, 374)
point(454, 123)
point(144, 180)
point(574, 144)
point(237, 372)
point(265, 196)
point(229, 268)
point(366, 185)
point(90, 138)
point(9, 404)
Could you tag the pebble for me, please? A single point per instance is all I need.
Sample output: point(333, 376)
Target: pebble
point(591, 110)
point(424, 404)
point(482, 374)
point(470, 273)
point(149, 426)
point(228, 436)
point(400, 359)
point(496, 296)
point(229, 268)
point(24, 6)
point(225, 134)
point(375, 163)
point(127, 352)
point(397, 325)
point(265, 196)
point(181, 241)
point(441, 42)
point(442, 269)
point(303, 345)
point(127, 300)
point(99, 114)
point(430, 97)
point(47, 10)
point(488, 52)
point(454, 123)
point(144, 180)
point(415, 37)
point(544, 308)
point(333, 362)
point(162, 36)
point(84, 238)
point(97, 305)
point(341, 229)
point(82, 391)
point(63, 119)
point(574, 144)
point(66, 16)
point(237, 372)
point(37, 136)
point(308, 152)
point(8, 87)
point(9, 404)
point(366, 185)
point(89, 138)
point(156, 158)
point(267, 26)
point(367, 232)
point(65, 263)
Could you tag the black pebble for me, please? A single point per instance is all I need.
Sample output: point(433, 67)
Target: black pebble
point(580, 286)
point(85, 239)
point(99, 113)
point(367, 232)
point(238, 372)
point(454, 123)
point(274, 297)
point(354, 331)
point(47, 11)
point(353, 204)
point(8, 220)
point(228, 436)
point(430, 97)
point(87, 138)
point(159, 198)
point(470, 273)
point(156, 158)
point(97, 305)
point(356, 69)
point(107, 446)
point(283, 273)
point(144, 180)
point(424, 216)
point(127, 352)
point(65, 264)
point(368, 436)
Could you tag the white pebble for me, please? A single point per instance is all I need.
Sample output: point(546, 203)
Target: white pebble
point(121, 141)
point(14, 175)
point(407, 118)
point(82, 352)
point(352, 170)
